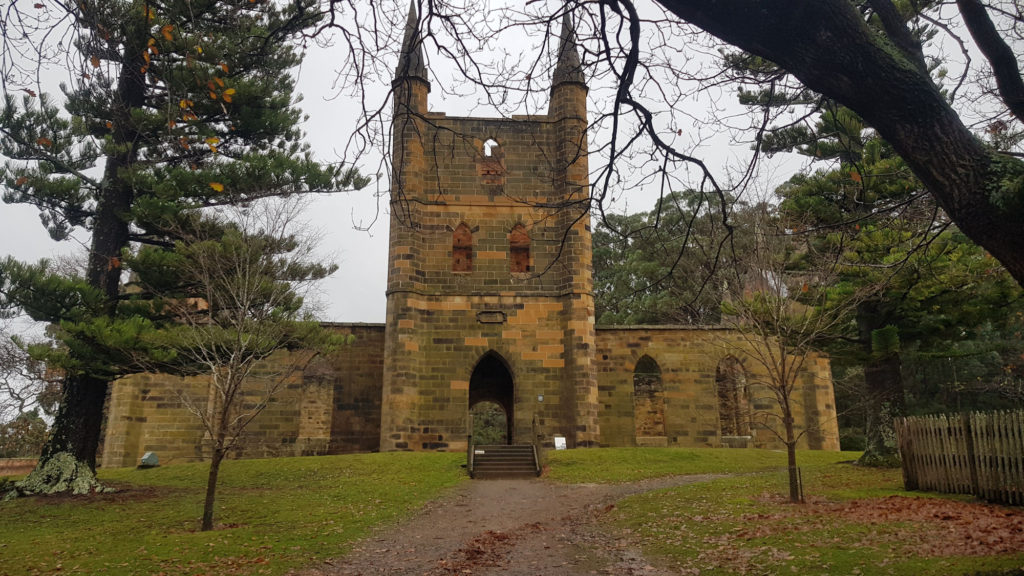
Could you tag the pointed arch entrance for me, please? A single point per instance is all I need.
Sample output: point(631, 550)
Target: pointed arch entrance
point(491, 382)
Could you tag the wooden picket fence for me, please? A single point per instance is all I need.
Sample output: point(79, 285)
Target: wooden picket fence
point(976, 453)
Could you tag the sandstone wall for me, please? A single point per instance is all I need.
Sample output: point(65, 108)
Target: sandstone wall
point(154, 412)
point(688, 359)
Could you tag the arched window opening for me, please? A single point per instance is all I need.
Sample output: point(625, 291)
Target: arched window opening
point(733, 398)
point(462, 249)
point(648, 399)
point(519, 249)
point(490, 147)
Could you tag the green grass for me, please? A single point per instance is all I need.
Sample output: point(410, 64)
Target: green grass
point(609, 465)
point(276, 514)
point(742, 524)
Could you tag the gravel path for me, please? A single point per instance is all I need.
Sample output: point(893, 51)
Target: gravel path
point(508, 527)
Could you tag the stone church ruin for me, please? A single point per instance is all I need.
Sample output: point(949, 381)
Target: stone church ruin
point(490, 299)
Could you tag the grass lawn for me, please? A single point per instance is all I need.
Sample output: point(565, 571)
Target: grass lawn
point(278, 515)
point(857, 521)
point(275, 515)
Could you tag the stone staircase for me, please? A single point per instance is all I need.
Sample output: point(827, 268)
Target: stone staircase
point(515, 461)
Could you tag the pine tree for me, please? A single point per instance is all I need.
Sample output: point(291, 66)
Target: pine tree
point(179, 105)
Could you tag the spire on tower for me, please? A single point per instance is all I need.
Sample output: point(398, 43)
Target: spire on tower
point(410, 63)
point(568, 68)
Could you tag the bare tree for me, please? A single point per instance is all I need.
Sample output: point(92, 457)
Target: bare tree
point(252, 268)
point(782, 315)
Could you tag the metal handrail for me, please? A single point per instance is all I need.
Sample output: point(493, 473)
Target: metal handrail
point(536, 458)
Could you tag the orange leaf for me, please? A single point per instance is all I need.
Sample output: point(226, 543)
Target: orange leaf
point(95, 61)
point(213, 95)
point(209, 85)
point(145, 56)
point(183, 104)
point(213, 149)
point(804, 288)
point(44, 141)
point(151, 41)
point(855, 176)
point(217, 186)
point(227, 97)
point(219, 81)
point(114, 263)
point(184, 143)
point(166, 31)
point(224, 67)
point(172, 124)
point(21, 181)
point(110, 125)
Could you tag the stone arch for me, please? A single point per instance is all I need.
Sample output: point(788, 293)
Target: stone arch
point(492, 381)
point(462, 249)
point(733, 398)
point(519, 249)
point(648, 399)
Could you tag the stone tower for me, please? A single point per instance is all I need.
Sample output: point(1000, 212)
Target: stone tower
point(490, 290)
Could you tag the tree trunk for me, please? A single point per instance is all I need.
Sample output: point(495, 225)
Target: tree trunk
point(68, 460)
point(76, 433)
point(794, 480)
point(884, 382)
point(211, 488)
point(827, 45)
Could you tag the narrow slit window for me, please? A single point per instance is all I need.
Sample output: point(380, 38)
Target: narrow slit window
point(462, 249)
point(519, 249)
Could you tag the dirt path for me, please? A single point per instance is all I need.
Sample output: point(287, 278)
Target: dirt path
point(508, 527)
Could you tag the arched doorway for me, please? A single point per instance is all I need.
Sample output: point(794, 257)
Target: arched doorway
point(648, 399)
point(733, 398)
point(491, 383)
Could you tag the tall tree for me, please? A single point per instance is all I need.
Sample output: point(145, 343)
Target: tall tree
point(667, 265)
point(177, 105)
